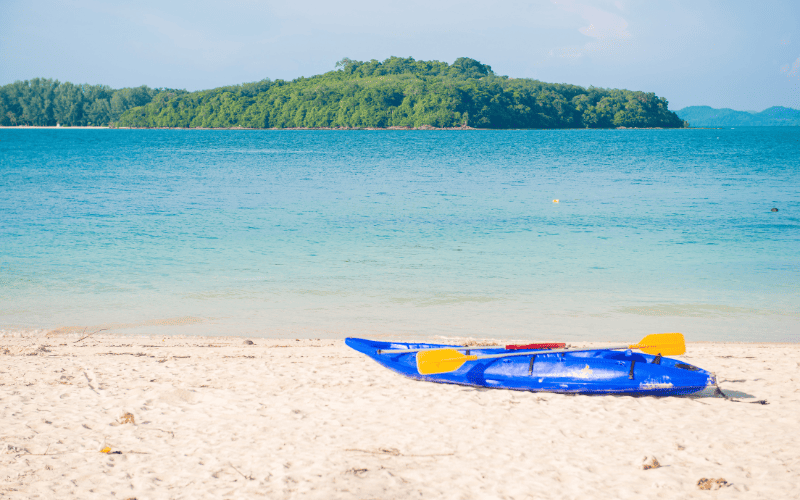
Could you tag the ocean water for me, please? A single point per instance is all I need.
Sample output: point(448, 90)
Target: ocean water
point(403, 233)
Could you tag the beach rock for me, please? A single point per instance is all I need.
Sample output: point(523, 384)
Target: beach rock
point(249, 342)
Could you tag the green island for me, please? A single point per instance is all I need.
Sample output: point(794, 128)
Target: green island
point(395, 93)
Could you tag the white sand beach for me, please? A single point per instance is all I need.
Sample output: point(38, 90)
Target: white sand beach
point(218, 418)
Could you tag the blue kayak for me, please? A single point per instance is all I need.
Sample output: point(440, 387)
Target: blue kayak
point(582, 372)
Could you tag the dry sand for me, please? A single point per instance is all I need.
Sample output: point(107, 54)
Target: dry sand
point(215, 418)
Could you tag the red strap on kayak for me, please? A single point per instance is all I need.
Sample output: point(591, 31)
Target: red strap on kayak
point(554, 345)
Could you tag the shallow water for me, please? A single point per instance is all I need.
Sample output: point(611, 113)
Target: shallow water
point(403, 233)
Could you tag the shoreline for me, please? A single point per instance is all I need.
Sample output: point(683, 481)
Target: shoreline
point(424, 127)
point(455, 338)
point(48, 127)
point(213, 417)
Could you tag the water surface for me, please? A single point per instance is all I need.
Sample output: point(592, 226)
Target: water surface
point(403, 233)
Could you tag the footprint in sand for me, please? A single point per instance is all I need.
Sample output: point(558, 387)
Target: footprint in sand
point(179, 396)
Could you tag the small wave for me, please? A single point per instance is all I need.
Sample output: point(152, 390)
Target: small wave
point(180, 321)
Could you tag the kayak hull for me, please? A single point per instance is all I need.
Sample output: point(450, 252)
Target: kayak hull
point(585, 372)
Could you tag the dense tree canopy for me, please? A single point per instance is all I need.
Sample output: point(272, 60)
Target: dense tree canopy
point(46, 102)
point(397, 92)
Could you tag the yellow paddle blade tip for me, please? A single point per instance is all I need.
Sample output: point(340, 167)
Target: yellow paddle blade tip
point(440, 361)
point(666, 344)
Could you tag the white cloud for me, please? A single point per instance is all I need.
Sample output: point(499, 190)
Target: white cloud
point(608, 30)
point(602, 23)
point(794, 70)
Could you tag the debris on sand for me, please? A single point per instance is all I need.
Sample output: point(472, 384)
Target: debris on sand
point(650, 463)
point(712, 484)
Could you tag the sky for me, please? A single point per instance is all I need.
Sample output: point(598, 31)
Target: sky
point(743, 55)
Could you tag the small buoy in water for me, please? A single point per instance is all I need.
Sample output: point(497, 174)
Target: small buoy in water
point(774, 210)
point(555, 201)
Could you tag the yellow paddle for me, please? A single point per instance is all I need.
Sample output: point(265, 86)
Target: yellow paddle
point(449, 360)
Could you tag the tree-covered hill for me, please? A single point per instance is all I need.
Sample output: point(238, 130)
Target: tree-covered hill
point(704, 116)
point(46, 102)
point(396, 92)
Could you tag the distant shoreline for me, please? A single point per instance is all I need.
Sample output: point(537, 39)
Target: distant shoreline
point(34, 127)
point(424, 127)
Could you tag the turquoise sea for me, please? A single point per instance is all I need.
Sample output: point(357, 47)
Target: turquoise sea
point(403, 233)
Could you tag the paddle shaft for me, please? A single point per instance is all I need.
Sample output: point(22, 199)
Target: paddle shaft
point(551, 351)
point(470, 348)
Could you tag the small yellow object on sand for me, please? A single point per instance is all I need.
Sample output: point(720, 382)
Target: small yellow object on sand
point(106, 449)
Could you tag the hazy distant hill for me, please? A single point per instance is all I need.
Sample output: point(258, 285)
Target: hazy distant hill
point(705, 116)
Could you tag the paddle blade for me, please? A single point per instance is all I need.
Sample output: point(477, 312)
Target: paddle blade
point(440, 361)
point(666, 344)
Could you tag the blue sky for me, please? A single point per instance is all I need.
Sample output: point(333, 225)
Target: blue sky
point(738, 54)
